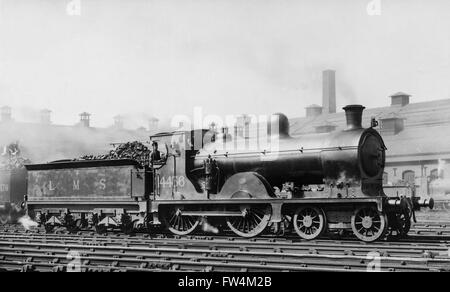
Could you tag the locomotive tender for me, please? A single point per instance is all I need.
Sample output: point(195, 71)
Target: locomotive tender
point(316, 182)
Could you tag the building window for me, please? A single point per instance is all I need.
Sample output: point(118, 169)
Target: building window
point(385, 178)
point(434, 174)
point(409, 177)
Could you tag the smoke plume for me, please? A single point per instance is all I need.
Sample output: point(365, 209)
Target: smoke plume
point(27, 222)
point(440, 186)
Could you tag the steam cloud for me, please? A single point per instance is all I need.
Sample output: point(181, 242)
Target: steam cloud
point(43, 143)
point(27, 222)
point(208, 228)
point(440, 186)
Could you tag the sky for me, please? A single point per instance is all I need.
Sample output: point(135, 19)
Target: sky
point(143, 58)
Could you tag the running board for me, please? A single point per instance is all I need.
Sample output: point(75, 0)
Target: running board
point(212, 213)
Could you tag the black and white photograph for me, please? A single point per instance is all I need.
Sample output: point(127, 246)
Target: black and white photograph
point(224, 141)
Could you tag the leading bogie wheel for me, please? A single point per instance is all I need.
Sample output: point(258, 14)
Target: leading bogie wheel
point(253, 221)
point(369, 224)
point(309, 222)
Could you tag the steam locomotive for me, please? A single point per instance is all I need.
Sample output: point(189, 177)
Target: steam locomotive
point(314, 183)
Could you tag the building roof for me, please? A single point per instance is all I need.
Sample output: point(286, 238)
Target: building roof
point(416, 114)
point(426, 125)
point(399, 94)
point(314, 106)
point(389, 115)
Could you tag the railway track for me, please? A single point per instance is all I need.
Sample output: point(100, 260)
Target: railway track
point(426, 249)
point(30, 251)
point(427, 229)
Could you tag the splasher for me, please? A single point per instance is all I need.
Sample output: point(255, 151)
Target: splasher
point(27, 222)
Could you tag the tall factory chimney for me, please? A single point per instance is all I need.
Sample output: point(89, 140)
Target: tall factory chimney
point(328, 92)
point(85, 119)
point(45, 116)
point(5, 114)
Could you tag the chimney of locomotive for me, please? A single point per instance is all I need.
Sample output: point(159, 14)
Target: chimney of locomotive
point(353, 114)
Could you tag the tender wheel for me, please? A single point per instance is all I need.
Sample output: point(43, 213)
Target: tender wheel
point(71, 224)
point(101, 229)
point(179, 224)
point(72, 228)
point(127, 227)
point(81, 224)
point(138, 225)
point(49, 228)
point(253, 221)
point(368, 224)
point(309, 222)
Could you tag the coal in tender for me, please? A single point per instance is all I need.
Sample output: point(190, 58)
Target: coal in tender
point(131, 150)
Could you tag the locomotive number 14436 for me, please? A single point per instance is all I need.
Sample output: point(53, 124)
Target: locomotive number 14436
point(172, 180)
